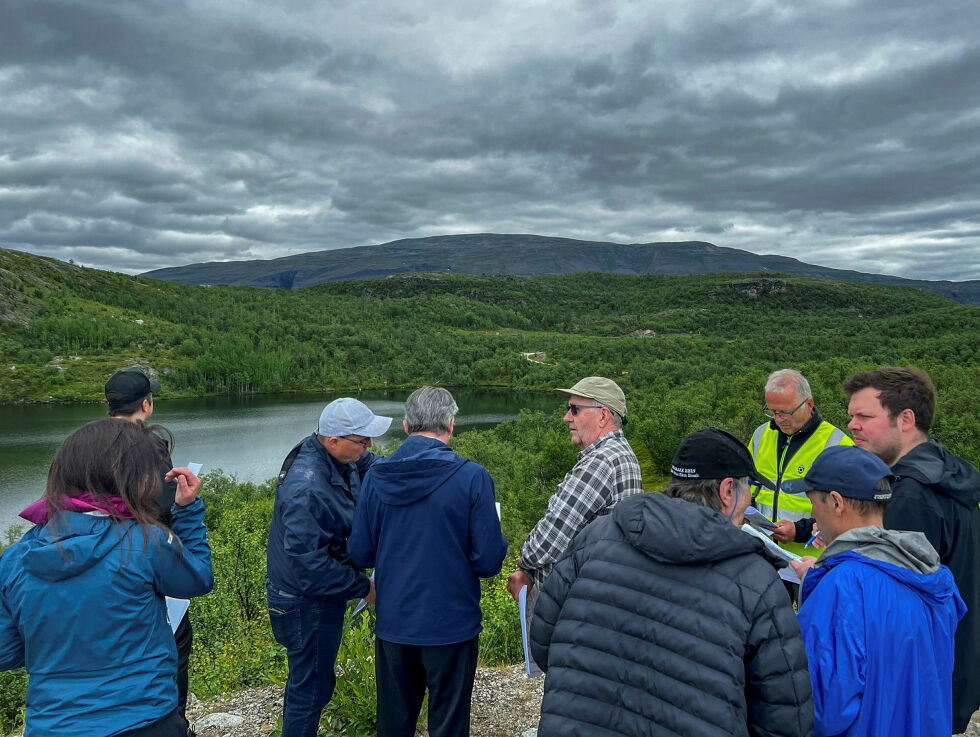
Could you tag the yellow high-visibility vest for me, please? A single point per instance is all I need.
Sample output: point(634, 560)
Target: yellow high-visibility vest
point(784, 504)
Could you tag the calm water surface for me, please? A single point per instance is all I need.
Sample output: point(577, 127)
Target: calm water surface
point(244, 436)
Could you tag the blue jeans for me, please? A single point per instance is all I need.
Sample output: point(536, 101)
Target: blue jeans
point(310, 630)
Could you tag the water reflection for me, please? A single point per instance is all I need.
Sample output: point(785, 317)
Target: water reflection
point(244, 436)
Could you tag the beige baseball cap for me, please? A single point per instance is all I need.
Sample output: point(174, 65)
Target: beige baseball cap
point(604, 391)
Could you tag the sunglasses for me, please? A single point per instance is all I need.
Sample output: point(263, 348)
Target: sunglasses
point(576, 408)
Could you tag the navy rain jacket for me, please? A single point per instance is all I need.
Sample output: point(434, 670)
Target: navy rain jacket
point(306, 555)
point(426, 520)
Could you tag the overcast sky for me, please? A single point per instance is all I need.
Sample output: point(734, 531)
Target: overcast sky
point(137, 135)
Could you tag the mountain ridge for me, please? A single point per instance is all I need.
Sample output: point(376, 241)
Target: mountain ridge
point(525, 255)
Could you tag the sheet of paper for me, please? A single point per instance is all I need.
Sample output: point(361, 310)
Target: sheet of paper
point(195, 468)
point(361, 606)
point(758, 520)
point(497, 505)
point(522, 607)
point(176, 609)
point(787, 573)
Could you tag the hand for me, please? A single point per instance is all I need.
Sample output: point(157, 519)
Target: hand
point(802, 565)
point(372, 594)
point(818, 541)
point(785, 531)
point(187, 485)
point(516, 581)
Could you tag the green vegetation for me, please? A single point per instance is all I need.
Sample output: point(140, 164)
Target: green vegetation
point(233, 643)
point(689, 352)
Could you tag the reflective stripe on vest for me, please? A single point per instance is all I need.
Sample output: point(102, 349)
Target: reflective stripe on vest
point(793, 507)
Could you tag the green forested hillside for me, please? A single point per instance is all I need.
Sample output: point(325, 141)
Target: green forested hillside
point(689, 351)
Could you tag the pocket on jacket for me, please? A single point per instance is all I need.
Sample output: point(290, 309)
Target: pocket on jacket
point(286, 627)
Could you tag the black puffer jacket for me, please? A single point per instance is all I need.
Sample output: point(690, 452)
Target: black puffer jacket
point(665, 619)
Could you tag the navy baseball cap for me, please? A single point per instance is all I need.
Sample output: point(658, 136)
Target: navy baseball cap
point(715, 454)
point(850, 471)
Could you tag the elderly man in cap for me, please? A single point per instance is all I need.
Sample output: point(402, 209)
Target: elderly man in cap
point(879, 611)
point(426, 521)
point(310, 577)
point(129, 393)
point(665, 618)
point(607, 471)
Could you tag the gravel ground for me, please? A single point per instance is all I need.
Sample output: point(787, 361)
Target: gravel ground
point(505, 704)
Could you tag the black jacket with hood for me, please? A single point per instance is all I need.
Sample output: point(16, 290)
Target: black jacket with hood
point(938, 493)
point(665, 619)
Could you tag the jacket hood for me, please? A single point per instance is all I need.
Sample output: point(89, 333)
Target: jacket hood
point(931, 464)
point(680, 532)
point(419, 467)
point(937, 588)
point(908, 550)
point(69, 544)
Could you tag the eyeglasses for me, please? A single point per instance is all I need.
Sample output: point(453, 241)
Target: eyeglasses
point(576, 408)
point(366, 442)
point(779, 413)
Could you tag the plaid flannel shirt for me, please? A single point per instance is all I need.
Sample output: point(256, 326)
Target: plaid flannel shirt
point(606, 472)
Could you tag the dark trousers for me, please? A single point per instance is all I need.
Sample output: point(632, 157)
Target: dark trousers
point(172, 725)
point(184, 637)
point(403, 673)
point(310, 630)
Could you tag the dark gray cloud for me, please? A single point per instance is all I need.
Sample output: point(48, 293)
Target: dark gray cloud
point(142, 135)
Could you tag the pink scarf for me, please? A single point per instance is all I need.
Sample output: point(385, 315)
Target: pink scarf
point(83, 502)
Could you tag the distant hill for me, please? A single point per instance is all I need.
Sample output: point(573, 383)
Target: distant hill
point(526, 255)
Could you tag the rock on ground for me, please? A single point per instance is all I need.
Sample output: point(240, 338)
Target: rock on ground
point(506, 703)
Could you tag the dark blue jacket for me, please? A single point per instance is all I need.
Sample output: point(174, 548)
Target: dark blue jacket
point(426, 520)
point(306, 555)
point(81, 605)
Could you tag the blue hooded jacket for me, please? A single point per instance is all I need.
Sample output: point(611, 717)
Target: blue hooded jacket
point(878, 620)
point(426, 521)
point(81, 605)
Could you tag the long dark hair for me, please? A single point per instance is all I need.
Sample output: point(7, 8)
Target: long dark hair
point(109, 458)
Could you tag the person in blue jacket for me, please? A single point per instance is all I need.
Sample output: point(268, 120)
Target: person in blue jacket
point(82, 592)
point(879, 611)
point(310, 576)
point(427, 522)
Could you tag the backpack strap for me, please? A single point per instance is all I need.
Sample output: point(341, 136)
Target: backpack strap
point(288, 461)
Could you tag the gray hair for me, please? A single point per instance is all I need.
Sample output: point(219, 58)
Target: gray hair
point(789, 379)
point(699, 491)
point(430, 409)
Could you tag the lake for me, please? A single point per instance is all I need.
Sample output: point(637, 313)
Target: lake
point(247, 437)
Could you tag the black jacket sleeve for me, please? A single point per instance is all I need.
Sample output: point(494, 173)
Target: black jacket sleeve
point(551, 598)
point(804, 530)
point(777, 679)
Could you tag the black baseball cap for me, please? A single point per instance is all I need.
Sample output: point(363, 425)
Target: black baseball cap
point(128, 385)
point(714, 454)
